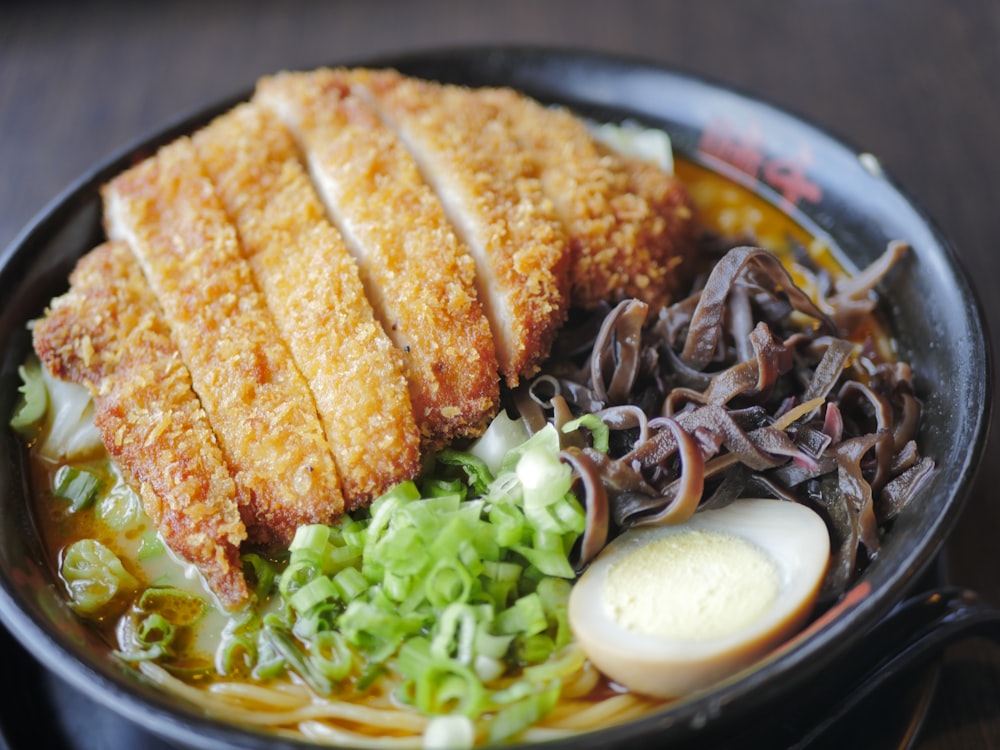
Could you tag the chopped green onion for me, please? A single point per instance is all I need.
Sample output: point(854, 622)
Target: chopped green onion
point(490, 645)
point(522, 714)
point(237, 655)
point(456, 633)
point(440, 487)
point(259, 573)
point(535, 649)
point(509, 524)
point(375, 627)
point(475, 468)
point(600, 432)
point(396, 587)
point(285, 644)
point(526, 616)
point(439, 686)
point(150, 545)
point(120, 507)
point(270, 662)
point(316, 591)
point(78, 486)
point(551, 561)
point(331, 655)
point(296, 575)
point(554, 595)
point(320, 618)
point(448, 581)
point(513, 693)
point(155, 632)
point(559, 666)
point(351, 583)
point(453, 582)
point(338, 558)
point(309, 542)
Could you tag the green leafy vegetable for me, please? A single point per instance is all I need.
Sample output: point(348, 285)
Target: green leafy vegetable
point(70, 432)
point(34, 400)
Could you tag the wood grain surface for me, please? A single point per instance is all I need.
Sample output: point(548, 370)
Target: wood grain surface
point(915, 82)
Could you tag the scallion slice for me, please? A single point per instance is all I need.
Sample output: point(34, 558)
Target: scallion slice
point(78, 486)
point(455, 582)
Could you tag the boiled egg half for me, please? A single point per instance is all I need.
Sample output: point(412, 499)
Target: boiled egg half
point(669, 610)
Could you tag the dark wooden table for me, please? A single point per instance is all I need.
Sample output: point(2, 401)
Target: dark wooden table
point(915, 82)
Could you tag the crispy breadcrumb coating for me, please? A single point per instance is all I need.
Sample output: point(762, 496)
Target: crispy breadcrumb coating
point(257, 401)
point(311, 284)
point(492, 195)
point(419, 276)
point(107, 334)
point(631, 224)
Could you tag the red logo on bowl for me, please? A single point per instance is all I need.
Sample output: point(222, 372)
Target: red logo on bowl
point(744, 149)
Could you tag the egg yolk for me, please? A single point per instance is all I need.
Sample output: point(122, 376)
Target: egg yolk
point(693, 585)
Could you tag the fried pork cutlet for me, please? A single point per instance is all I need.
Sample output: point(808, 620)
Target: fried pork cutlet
point(311, 284)
point(419, 276)
point(257, 401)
point(631, 224)
point(106, 333)
point(491, 194)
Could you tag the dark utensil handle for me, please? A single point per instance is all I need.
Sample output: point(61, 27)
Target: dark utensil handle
point(915, 631)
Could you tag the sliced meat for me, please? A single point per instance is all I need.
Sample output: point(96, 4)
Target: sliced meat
point(491, 193)
point(631, 224)
point(257, 402)
point(419, 275)
point(106, 333)
point(311, 285)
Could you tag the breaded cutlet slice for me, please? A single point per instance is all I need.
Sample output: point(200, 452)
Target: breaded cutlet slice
point(419, 275)
point(257, 401)
point(631, 224)
point(312, 286)
point(491, 194)
point(107, 334)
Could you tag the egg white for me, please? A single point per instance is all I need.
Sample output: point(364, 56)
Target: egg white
point(793, 537)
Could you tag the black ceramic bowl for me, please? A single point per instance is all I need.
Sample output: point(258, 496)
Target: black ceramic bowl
point(832, 188)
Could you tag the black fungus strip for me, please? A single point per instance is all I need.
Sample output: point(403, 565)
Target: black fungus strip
point(745, 387)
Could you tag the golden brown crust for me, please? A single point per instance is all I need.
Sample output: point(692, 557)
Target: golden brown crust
point(492, 194)
point(311, 285)
point(257, 401)
point(477, 217)
point(107, 334)
point(419, 275)
point(631, 224)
